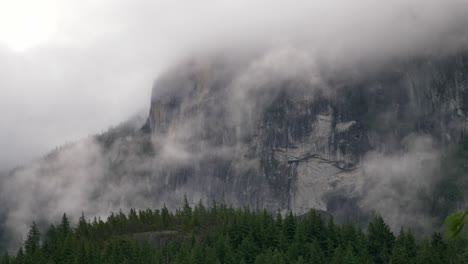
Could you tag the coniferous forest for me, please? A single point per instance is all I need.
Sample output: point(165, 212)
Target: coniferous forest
point(222, 234)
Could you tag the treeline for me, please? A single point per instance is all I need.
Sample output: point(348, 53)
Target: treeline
point(222, 234)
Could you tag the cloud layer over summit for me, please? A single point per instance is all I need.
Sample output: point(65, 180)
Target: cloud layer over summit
point(97, 69)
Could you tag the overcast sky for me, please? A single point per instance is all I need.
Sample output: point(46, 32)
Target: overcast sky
point(72, 68)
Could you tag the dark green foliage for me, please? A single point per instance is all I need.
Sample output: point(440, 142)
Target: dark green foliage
point(380, 240)
point(404, 250)
point(31, 245)
point(222, 234)
point(456, 223)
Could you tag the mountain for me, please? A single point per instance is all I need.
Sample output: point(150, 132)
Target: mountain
point(271, 131)
point(250, 137)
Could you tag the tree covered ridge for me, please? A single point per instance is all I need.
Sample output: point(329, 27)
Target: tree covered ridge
point(222, 234)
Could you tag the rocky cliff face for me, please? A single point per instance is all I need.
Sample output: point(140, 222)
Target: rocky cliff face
point(291, 144)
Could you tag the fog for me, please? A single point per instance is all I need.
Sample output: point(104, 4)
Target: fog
point(98, 67)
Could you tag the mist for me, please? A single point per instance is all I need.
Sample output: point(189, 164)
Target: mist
point(98, 67)
point(98, 70)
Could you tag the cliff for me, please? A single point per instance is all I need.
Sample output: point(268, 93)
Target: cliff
point(285, 143)
point(280, 134)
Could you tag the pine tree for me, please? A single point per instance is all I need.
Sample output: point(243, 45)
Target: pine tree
point(186, 212)
point(410, 245)
point(31, 245)
point(424, 254)
point(277, 258)
point(404, 250)
point(82, 230)
point(289, 226)
point(198, 254)
point(338, 256)
point(361, 247)
point(20, 258)
point(66, 253)
point(380, 240)
point(439, 249)
point(64, 227)
point(315, 253)
point(165, 216)
point(247, 250)
point(350, 256)
point(399, 255)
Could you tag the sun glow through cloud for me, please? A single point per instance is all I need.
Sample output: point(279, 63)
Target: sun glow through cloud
point(25, 24)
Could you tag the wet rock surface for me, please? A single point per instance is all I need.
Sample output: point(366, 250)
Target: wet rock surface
point(301, 145)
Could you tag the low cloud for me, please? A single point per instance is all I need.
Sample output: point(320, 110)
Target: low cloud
point(396, 182)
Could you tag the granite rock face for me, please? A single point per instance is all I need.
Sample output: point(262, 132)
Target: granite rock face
point(290, 144)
